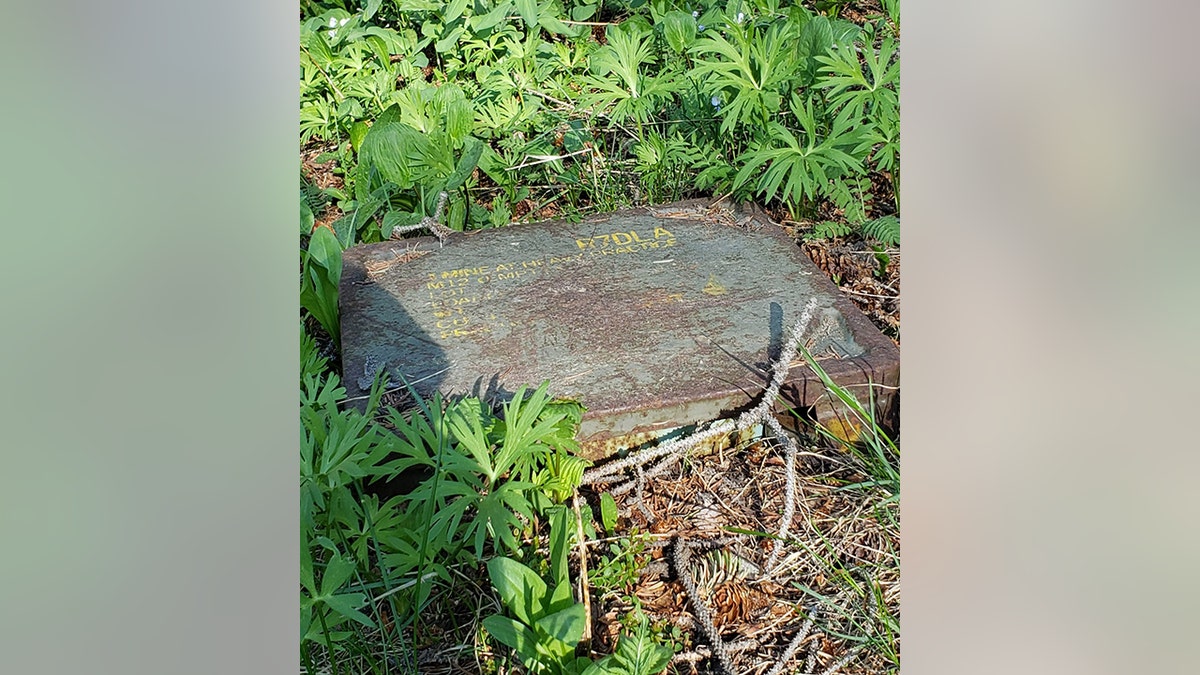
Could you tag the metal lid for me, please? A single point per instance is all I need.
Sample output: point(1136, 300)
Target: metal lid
point(653, 318)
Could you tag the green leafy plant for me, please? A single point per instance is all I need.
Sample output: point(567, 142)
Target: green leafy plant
point(348, 71)
point(545, 623)
point(489, 478)
point(408, 158)
point(637, 653)
point(618, 570)
point(484, 113)
point(872, 445)
point(868, 85)
point(885, 229)
point(608, 512)
point(325, 606)
point(803, 166)
point(321, 272)
point(619, 82)
point(748, 71)
point(337, 449)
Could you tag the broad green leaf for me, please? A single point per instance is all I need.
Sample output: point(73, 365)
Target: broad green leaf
point(306, 217)
point(583, 12)
point(608, 512)
point(679, 28)
point(318, 49)
point(358, 131)
point(554, 25)
point(337, 572)
point(566, 625)
point(843, 32)
point(450, 40)
point(417, 5)
point(528, 9)
point(472, 151)
point(521, 590)
point(483, 22)
point(457, 218)
point(343, 228)
point(324, 250)
point(815, 40)
point(393, 219)
point(560, 538)
point(371, 8)
point(395, 149)
point(380, 47)
point(453, 10)
point(512, 634)
point(493, 164)
point(457, 114)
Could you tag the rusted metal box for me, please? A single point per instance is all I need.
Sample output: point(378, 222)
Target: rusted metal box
point(654, 318)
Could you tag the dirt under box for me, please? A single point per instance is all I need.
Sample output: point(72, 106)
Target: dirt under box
point(654, 318)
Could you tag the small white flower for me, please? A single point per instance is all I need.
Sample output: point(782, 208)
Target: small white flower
point(332, 22)
point(332, 34)
point(343, 22)
point(741, 17)
point(716, 101)
point(701, 28)
point(695, 14)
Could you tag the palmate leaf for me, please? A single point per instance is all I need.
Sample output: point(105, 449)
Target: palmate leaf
point(756, 66)
point(470, 425)
point(803, 171)
point(528, 9)
point(496, 516)
point(526, 426)
point(873, 92)
point(337, 572)
point(617, 79)
point(451, 503)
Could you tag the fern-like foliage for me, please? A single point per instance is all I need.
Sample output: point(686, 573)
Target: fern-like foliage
point(827, 229)
point(886, 230)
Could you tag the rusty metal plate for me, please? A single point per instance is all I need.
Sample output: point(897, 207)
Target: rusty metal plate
point(653, 318)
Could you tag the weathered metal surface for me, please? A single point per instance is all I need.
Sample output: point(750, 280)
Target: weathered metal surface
point(653, 318)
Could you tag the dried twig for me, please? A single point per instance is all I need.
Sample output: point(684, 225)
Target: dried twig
point(747, 420)
point(432, 223)
point(789, 505)
point(842, 661)
point(584, 594)
point(794, 644)
point(641, 505)
point(704, 618)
